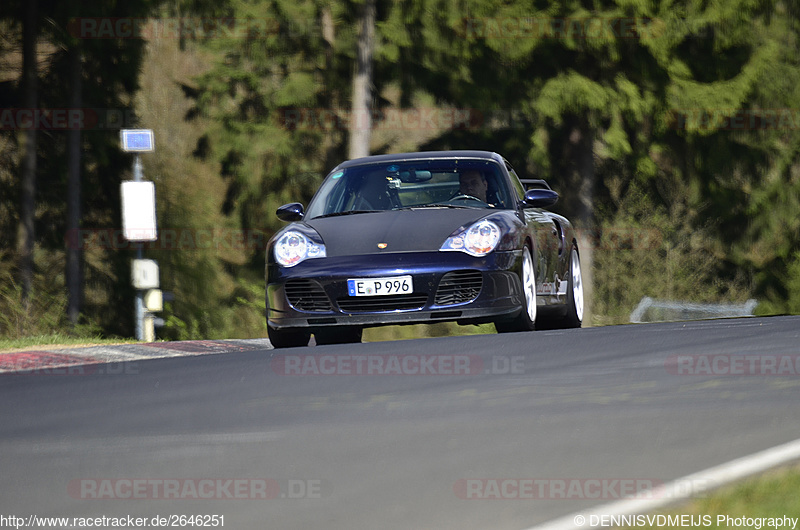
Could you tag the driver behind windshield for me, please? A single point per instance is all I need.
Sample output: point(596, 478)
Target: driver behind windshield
point(472, 182)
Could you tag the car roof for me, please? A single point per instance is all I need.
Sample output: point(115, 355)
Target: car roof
point(422, 155)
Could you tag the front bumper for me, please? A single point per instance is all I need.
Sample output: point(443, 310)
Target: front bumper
point(448, 286)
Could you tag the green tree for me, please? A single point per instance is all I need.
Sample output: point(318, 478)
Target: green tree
point(617, 95)
point(108, 73)
point(275, 108)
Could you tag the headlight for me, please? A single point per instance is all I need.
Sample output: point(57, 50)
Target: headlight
point(293, 247)
point(478, 240)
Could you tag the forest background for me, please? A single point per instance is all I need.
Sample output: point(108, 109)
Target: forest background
point(671, 130)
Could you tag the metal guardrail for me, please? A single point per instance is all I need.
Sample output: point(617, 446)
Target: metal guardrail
point(650, 310)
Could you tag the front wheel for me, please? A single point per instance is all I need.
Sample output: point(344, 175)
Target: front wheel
point(288, 338)
point(526, 320)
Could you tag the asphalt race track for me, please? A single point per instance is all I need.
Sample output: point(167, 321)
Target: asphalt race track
point(356, 437)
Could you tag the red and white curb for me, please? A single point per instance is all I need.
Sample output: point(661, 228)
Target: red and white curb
point(81, 360)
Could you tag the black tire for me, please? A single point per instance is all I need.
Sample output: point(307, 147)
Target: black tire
point(526, 320)
point(575, 300)
point(288, 338)
point(338, 335)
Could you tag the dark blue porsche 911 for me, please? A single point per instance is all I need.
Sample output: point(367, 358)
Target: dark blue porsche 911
point(420, 238)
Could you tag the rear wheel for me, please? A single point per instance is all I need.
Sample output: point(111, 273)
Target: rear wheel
point(526, 320)
point(572, 315)
point(575, 301)
point(338, 335)
point(288, 338)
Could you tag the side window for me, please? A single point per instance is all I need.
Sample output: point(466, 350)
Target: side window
point(518, 188)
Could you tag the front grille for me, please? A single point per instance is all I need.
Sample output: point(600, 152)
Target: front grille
point(459, 287)
point(307, 295)
point(394, 302)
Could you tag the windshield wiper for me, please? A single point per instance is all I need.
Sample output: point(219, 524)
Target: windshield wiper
point(348, 212)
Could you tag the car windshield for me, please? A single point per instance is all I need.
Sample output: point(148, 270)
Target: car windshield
point(445, 183)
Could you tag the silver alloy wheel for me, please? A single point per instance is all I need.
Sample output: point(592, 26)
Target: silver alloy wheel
point(577, 284)
point(529, 284)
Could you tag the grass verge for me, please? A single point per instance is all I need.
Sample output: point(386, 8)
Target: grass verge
point(746, 504)
point(56, 340)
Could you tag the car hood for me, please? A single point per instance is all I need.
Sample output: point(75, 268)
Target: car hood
point(424, 229)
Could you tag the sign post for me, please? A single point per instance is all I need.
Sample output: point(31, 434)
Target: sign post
point(139, 224)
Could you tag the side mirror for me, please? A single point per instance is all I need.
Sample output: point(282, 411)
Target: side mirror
point(290, 212)
point(540, 198)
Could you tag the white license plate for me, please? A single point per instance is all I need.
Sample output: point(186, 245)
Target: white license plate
point(380, 286)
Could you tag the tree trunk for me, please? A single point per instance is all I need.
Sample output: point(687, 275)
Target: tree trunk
point(328, 35)
point(74, 253)
point(332, 143)
point(584, 163)
point(26, 234)
point(361, 118)
point(578, 160)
